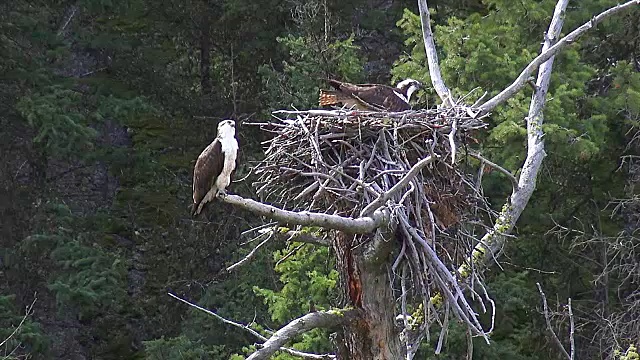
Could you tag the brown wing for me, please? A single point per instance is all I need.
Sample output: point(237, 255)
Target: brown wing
point(373, 96)
point(381, 96)
point(391, 100)
point(207, 168)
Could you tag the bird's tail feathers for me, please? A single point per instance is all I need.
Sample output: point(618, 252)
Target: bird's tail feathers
point(330, 97)
point(194, 210)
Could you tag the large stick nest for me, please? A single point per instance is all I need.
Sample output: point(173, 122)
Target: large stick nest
point(340, 161)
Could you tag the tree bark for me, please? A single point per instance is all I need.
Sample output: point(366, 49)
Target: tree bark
point(365, 283)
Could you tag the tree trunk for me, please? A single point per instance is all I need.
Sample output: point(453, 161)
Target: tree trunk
point(366, 285)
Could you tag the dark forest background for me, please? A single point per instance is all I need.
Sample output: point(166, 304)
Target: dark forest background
point(105, 105)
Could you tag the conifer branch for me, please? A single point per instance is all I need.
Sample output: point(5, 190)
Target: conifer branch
point(550, 51)
point(432, 56)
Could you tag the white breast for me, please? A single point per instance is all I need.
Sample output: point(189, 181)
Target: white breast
point(230, 149)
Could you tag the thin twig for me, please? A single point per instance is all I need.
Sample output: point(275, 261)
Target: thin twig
point(547, 317)
point(253, 332)
point(28, 312)
point(251, 253)
point(506, 172)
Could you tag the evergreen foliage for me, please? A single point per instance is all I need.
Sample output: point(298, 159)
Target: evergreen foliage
point(104, 107)
point(20, 336)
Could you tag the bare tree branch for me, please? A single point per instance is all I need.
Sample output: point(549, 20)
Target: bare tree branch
point(415, 169)
point(74, 9)
point(548, 51)
point(547, 317)
point(361, 225)
point(432, 55)
point(319, 319)
point(255, 333)
point(252, 253)
point(572, 332)
point(493, 241)
point(302, 236)
point(280, 234)
point(509, 175)
point(28, 312)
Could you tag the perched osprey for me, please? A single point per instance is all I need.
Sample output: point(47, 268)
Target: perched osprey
point(370, 96)
point(212, 173)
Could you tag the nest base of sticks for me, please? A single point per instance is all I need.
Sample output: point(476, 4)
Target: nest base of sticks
point(413, 163)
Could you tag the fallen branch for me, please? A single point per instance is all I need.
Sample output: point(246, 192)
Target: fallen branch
point(361, 225)
point(550, 51)
point(432, 55)
point(255, 333)
point(319, 319)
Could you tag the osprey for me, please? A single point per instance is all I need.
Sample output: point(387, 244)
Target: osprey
point(370, 96)
point(212, 173)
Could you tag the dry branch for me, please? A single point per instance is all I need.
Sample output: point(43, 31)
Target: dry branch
point(301, 354)
point(377, 203)
point(491, 244)
point(506, 172)
point(319, 319)
point(15, 331)
point(360, 225)
point(548, 52)
point(432, 55)
point(547, 318)
point(280, 234)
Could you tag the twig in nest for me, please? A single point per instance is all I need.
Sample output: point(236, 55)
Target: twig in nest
point(377, 203)
point(452, 142)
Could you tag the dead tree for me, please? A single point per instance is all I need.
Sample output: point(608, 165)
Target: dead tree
point(401, 208)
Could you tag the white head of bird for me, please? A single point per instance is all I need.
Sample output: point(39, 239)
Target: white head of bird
point(409, 86)
point(226, 129)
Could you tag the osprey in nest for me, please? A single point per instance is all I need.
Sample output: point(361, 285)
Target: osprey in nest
point(212, 173)
point(376, 97)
